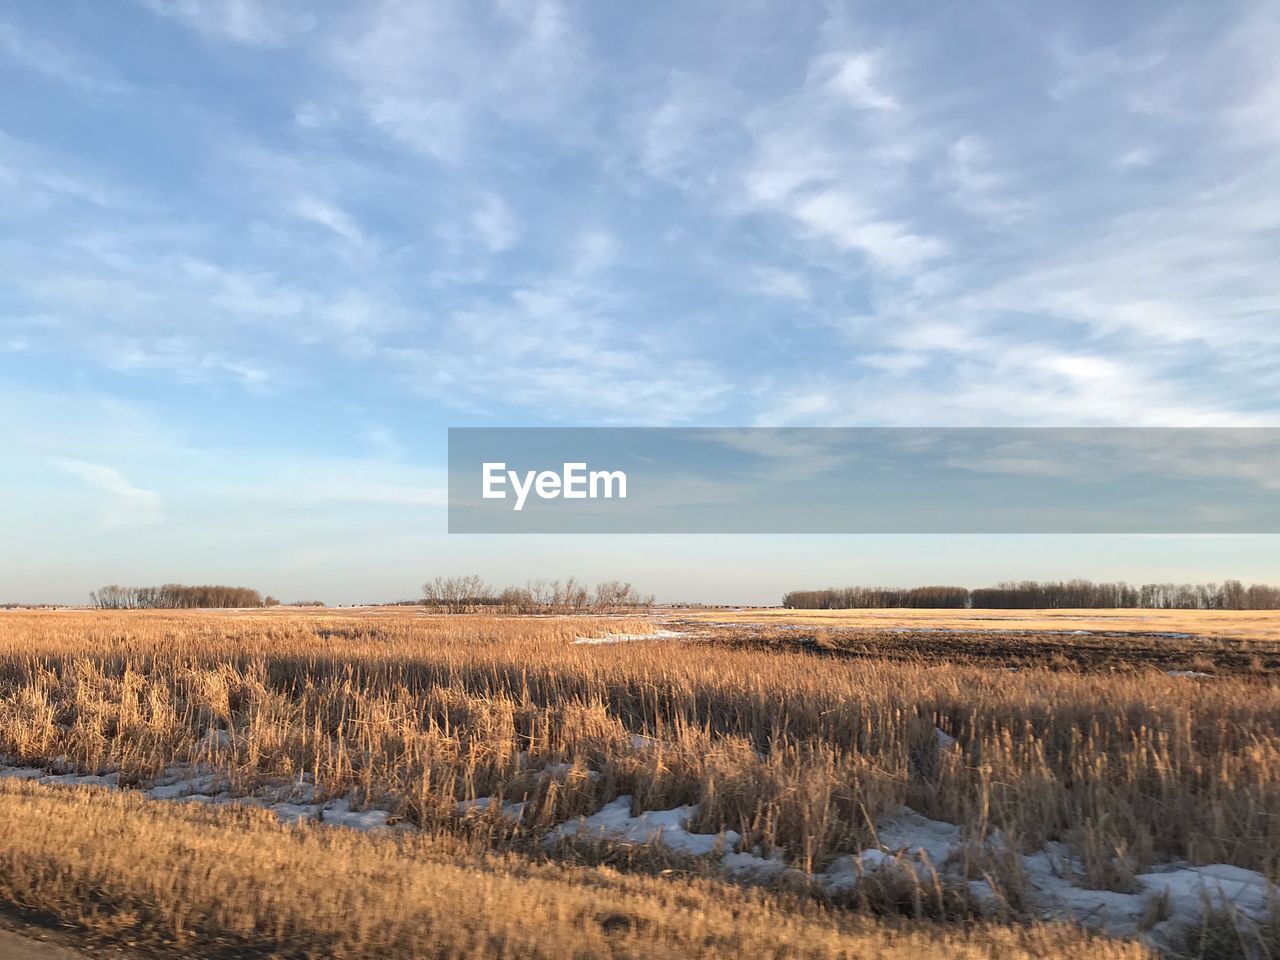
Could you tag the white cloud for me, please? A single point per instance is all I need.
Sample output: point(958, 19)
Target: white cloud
point(495, 224)
point(845, 171)
point(1135, 158)
point(315, 116)
point(854, 77)
point(975, 186)
point(382, 439)
point(836, 175)
point(595, 249)
point(437, 128)
point(124, 505)
point(838, 216)
point(184, 360)
point(58, 62)
point(683, 138)
point(1083, 71)
point(567, 347)
point(329, 215)
point(783, 284)
point(432, 76)
point(259, 23)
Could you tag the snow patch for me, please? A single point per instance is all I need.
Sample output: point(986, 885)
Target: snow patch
point(668, 827)
point(906, 840)
point(292, 801)
point(911, 834)
point(909, 841)
point(753, 866)
point(511, 811)
point(630, 637)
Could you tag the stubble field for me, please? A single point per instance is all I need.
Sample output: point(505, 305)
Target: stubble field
point(386, 783)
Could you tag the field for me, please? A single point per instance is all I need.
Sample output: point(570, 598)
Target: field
point(1203, 641)
point(387, 783)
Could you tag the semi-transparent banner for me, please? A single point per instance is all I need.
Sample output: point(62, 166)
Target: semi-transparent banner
point(864, 480)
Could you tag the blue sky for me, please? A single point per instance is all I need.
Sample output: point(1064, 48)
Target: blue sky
point(255, 257)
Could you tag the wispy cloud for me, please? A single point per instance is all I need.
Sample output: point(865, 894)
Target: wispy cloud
point(331, 216)
point(495, 224)
point(123, 505)
point(57, 60)
point(435, 77)
point(186, 362)
point(783, 284)
point(507, 211)
point(1083, 70)
point(259, 23)
point(976, 186)
point(854, 77)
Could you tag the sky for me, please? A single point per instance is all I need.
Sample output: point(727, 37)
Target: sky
point(257, 257)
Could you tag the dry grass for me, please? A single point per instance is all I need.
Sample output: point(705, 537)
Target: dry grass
point(1233, 624)
point(1214, 642)
point(234, 882)
point(420, 713)
point(798, 754)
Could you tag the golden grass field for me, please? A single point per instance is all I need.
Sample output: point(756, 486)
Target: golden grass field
point(800, 752)
point(1202, 641)
point(223, 881)
point(1232, 624)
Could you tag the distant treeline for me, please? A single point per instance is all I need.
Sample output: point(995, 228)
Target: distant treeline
point(1036, 595)
point(849, 598)
point(176, 596)
point(470, 593)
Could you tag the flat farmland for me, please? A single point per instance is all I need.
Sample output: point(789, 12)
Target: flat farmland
point(1227, 624)
point(361, 783)
point(1212, 642)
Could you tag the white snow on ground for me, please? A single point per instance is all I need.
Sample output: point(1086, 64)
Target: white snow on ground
point(292, 801)
point(913, 842)
point(906, 841)
point(630, 637)
point(1189, 673)
point(754, 866)
point(1189, 889)
point(913, 834)
point(338, 813)
point(670, 827)
point(909, 841)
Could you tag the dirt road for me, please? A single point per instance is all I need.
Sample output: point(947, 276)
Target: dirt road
point(15, 944)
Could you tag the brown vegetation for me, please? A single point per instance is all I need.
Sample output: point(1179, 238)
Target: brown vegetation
point(177, 596)
point(1231, 626)
point(1015, 648)
point(470, 594)
point(234, 882)
point(416, 712)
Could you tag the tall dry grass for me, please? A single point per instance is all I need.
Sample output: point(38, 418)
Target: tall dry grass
point(800, 755)
point(212, 882)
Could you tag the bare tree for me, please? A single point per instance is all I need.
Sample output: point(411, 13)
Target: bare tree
point(456, 594)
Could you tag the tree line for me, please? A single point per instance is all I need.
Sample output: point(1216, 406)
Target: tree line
point(849, 598)
point(1042, 595)
point(176, 596)
point(470, 593)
